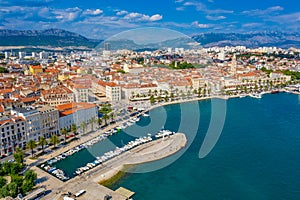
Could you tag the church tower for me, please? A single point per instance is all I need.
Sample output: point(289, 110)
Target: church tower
point(233, 65)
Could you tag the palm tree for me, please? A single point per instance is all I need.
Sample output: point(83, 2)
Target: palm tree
point(105, 117)
point(42, 142)
point(74, 128)
point(83, 126)
point(31, 145)
point(112, 116)
point(54, 140)
point(92, 121)
point(65, 133)
point(99, 121)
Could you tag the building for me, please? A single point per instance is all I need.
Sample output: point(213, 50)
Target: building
point(81, 93)
point(34, 69)
point(76, 113)
point(112, 90)
point(57, 95)
point(49, 117)
point(13, 134)
point(42, 121)
point(233, 65)
point(32, 120)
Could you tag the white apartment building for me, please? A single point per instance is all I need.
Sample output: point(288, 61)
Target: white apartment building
point(13, 134)
point(76, 113)
point(40, 122)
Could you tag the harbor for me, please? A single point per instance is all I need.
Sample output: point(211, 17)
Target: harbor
point(50, 167)
point(165, 144)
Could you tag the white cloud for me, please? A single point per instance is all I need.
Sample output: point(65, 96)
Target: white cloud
point(199, 25)
point(93, 12)
point(293, 18)
point(215, 18)
point(69, 14)
point(134, 16)
point(180, 8)
point(155, 17)
point(252, 25)
point(259, 12)
point(203, 8)
point(122, 12)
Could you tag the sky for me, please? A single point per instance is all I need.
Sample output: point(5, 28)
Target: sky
point(101, 19)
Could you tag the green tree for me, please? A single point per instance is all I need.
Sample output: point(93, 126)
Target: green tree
point(92, 121)
point(54, 140)
point(30, 175)
point(3, 181)
point(19, 156)
point(4, 191)
point(152, 100)
point(74, 128)
point(13, 189)
point(105, 117)
point(83, 126)
point(42, 142)
point(31, 145)
point(65, 133)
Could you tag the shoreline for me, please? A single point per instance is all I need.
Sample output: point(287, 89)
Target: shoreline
point(97, 133)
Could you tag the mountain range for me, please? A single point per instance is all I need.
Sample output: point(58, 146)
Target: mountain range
point(65, 39)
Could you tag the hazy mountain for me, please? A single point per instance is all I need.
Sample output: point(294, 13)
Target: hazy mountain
point(65, 39)
point(182, 42)
point(255, 39)
point(50, 37)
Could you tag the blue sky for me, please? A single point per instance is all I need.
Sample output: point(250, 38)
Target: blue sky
point(104, 18)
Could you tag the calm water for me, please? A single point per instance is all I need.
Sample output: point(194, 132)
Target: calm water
point(256, 157)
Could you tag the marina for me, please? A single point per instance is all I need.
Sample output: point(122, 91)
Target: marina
point(51, 167)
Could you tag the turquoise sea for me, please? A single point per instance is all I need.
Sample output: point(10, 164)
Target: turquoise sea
point(256, 157)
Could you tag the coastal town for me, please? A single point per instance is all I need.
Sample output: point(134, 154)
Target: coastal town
point(54, 104)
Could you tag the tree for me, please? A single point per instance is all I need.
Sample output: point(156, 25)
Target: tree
point(74, 128)
point(105, 117)
point(83, 126)
point(13, 189)
point(152, 100)
point(30, 176)
point(42, 142)
point(3, 181)
point(92, 121)
point(31, 145)
point(54, 140)
point(99, 121)
point(19, 156)
point(65, 133)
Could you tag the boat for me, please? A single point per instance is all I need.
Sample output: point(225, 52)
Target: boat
point(242, 95)
point(146, 115)
point(256, 95)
